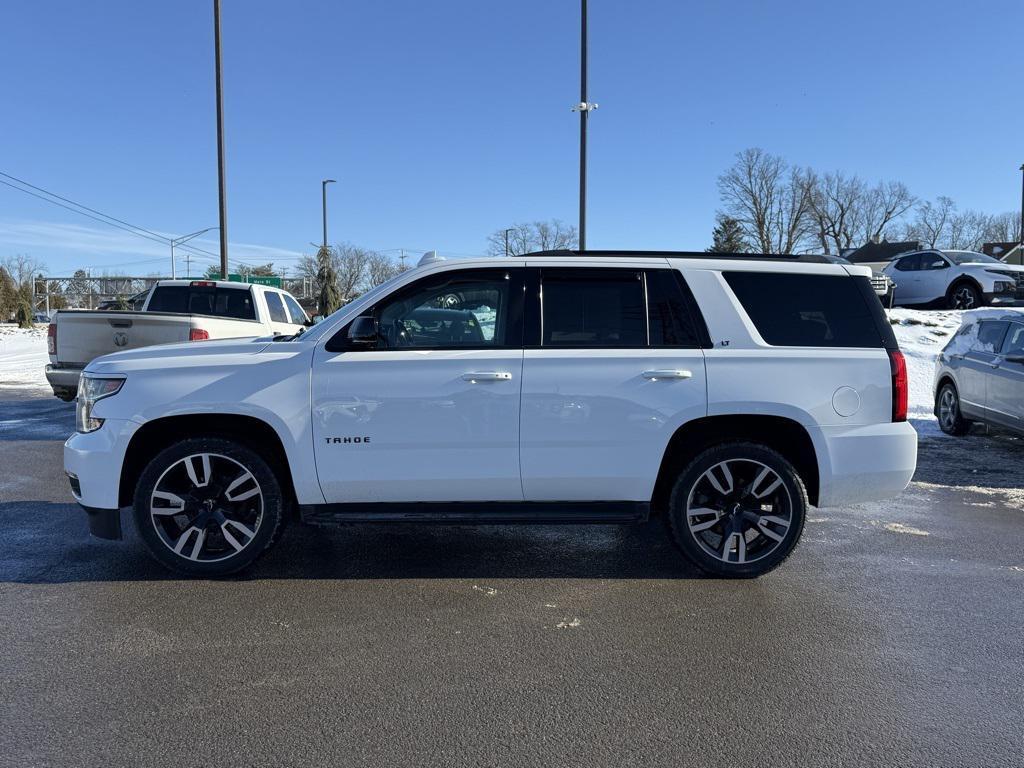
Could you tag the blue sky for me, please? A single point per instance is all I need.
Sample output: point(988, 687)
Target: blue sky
point(444, 121)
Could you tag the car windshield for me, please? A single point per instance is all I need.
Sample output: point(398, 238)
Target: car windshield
point(970, 257)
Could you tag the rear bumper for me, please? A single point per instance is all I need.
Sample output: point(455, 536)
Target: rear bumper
point(63, 378)
point(867, 463)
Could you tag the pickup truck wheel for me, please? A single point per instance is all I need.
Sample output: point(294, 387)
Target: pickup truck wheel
point(964, 295)
point(947, 407)
point(208, 506)
point(66, 394)
point(738, 510)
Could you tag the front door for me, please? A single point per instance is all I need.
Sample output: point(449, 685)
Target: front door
point(977, 366)
point(933, 277)
point(617, 368)
point(430, 410)
point(1006, 382)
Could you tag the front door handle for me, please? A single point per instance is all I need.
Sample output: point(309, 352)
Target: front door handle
point(475, 376)
point(667, 374)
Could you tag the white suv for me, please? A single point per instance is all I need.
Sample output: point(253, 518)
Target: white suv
point(959, 279)
point(724, 393)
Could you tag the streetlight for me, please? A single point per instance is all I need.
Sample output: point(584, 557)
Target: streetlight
point(323, 189)
point(584, 107)
point(185, 239)
point(221, 172)
point(506, 242)
point(1022, 213)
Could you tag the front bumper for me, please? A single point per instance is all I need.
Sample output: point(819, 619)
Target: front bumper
point(866, 463)
point(93, 463)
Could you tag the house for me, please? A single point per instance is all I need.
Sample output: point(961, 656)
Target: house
point(1011, 253)
point(877, 254)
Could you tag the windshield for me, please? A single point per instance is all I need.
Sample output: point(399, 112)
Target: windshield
point(970, 257)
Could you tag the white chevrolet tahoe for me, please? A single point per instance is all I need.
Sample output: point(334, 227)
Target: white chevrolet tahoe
point(726, 394)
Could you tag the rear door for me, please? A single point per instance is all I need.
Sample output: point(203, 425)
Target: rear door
point(977, 365)
point(613, 365)
point(1005, 404)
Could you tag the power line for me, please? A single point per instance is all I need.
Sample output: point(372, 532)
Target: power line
point(107, 219)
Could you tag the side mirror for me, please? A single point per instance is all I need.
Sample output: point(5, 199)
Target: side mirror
point(313, 321)
point(364, 332)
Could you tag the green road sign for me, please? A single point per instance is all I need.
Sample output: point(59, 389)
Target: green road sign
point(272, 280)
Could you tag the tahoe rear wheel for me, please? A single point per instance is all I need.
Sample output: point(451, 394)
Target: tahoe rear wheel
point(738, 510)
point(208, 506)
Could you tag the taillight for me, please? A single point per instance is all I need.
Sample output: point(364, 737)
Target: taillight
point(198, 334)
point(900, 385)
point(51, 339)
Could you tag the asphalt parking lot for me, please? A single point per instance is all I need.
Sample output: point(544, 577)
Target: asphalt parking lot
point(892, 636)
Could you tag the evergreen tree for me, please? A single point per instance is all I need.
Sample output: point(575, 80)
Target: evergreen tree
point(23, 315)
point(728, 236)
point(329, 298)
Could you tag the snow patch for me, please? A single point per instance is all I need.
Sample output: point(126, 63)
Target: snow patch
point(23, 357)
point(568, 624)
point(901, 528)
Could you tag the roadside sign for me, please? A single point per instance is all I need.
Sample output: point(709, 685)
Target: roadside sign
point(272, 280)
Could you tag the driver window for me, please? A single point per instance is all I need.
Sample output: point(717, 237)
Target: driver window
point(1014, 343)
point(452, 311)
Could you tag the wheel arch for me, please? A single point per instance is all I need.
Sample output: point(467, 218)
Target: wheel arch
point(780, 433)
point(153, 436)
point(971, 280)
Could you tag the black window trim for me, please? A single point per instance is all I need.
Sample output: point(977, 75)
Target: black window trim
point(339, 340)
point(535, 307)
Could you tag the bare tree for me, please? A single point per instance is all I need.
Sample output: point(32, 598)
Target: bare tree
point(770, 200)
point(886, 203)
point(552, 235)
point(379, 269)
point(967, 230)
point(22, 269)
point(847, 212)
point(931, 222)
point(1003, 228)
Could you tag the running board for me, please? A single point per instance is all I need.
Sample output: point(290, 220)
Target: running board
point(479, 513)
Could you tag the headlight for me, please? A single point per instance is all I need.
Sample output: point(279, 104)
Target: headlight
point(90, 391)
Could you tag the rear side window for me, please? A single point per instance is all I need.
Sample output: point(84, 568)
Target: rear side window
point(669, 322)
point(593, 308)
point(276, 308)
point(799, 310)
point(220, 302)
point(990, 336)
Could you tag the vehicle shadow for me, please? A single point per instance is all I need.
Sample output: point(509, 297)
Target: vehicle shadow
point(994, 460)
point(47, 543)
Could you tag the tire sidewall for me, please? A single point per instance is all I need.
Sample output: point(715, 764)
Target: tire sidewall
point(689, 477)
point(951, 297)
point(959, 425)
point(273, 505)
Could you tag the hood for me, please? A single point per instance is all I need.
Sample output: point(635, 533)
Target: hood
point(188, 353)
point(989, 266)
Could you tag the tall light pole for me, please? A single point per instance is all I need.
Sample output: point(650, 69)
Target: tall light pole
point(184, 239)
point(584, 107)
point(221, 173)
point(506, 242)
point(323, 189)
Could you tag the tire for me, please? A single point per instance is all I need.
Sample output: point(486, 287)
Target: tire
point(964, 295)
point(947, 410)
point(735, 502)
point(218, 506)
point(65, 394)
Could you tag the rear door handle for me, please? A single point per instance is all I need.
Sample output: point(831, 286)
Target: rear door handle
point(475, 376)
point(667, 374)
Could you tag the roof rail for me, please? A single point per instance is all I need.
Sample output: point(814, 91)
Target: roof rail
point(565, 253)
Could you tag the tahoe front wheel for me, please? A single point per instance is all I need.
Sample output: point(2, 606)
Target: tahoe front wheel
point(738, 510)
point(208, 506)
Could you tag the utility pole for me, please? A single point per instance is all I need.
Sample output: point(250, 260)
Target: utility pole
point(188, 256)
point(584, 108)
point(221, 173)
point(401, 259)
point(323, 189)
point(1021, 238)
point(506, 242)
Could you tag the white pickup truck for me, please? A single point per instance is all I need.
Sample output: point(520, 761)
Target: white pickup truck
point(173, 311)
